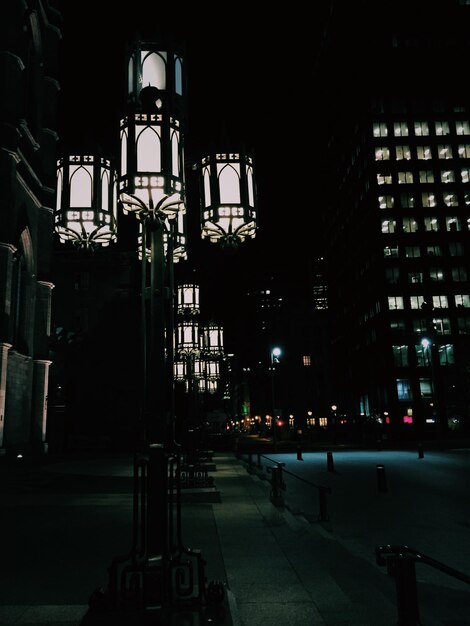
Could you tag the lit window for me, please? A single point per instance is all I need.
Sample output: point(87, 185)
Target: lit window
point(416, 301)
point(422, 355)
point(323, 421)
point(450, 199)
point(386, 202)
point(441, 325)
point(431, 224)
point(389, 226)
point(465, 174)
point(442, 128)
point(464, 150)
point(405, 177)
point(400, 129)
point(462, 300)
point(453, 224)
point(384, 179)
point(447, 176)
point(380, 130)
point(426, 176)
point(425, 387)
point(402, 153)
point(421, 129)
point(423, 152)
point(440, 302)
point(444, 151)
point(382, 154)
point(410, 225)
point(403, 389)
point(306, 360)
point(436, 274)
point(428, 199)
point(395, 302)
point(462, 128)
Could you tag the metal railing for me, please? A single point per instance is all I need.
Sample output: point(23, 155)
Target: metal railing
point(278, 486)
point(401, 562)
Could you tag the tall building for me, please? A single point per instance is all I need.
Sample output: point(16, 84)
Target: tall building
point(29, 35)
point(394, 141)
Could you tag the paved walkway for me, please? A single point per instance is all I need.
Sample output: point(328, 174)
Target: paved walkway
point(63, 522)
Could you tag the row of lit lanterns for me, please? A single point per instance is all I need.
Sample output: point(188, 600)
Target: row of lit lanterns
point(200, 348)
point(150, 178)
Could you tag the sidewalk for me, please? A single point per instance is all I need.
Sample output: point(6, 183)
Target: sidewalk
point(62, 522)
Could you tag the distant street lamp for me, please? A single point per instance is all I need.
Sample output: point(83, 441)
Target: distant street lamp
point(428, 349)
point(275, 357)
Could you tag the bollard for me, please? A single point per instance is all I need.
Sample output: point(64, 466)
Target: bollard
point(420, 451)
point(299, 454)
point(381, 479)
point(258, 464)
point(407, 595)
point(277, 485)
point(329, 462)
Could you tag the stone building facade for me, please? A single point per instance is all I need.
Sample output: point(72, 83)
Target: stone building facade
point(29, 43)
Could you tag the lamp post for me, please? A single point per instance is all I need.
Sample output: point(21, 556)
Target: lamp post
point(200, 347)
point(150, 184)
point(275, 356)
point(430, 358)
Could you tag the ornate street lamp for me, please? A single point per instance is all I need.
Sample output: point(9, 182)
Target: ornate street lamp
point(188, 299)
point(228, 198)
point(86, 210)
point(150, 184)
point(212, 340)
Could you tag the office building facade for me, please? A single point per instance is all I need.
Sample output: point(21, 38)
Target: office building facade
point(396, 219)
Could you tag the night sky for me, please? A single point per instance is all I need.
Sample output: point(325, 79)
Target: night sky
point(249, 79)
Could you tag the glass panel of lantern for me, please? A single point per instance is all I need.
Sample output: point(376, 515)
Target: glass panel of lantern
point(212, 370)
point(211, 386)
point(86, 203)
point(206, 386)
point(180, 371)
point(187, 337)
point(212, 340)
point(228, 197)
point(198, 368)
point(188, 299)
